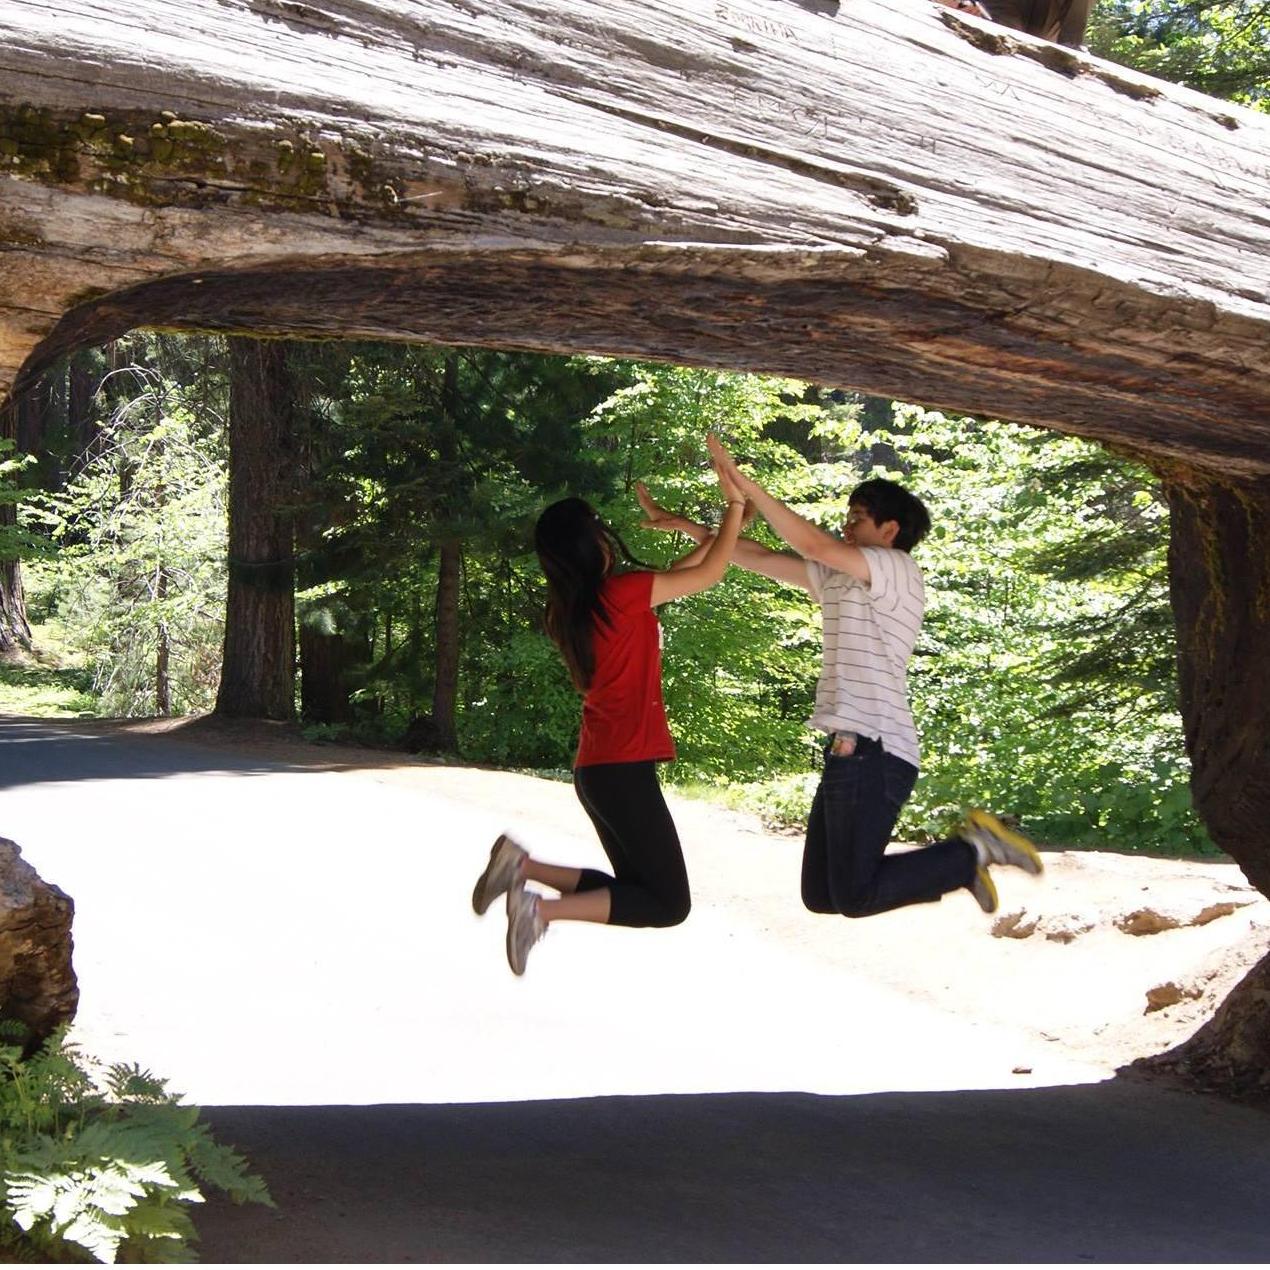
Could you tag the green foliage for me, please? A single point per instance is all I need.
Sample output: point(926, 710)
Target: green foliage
point(17, 540)
point(1043, 682)
point(45, 691)
point(102, 1162)
point(141, 529)
point(411, 448)
point(1220, 47)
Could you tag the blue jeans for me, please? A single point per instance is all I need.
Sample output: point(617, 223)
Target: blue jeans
point(845, 866)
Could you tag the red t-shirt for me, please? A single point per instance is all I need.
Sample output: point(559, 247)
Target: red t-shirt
point(623, 718)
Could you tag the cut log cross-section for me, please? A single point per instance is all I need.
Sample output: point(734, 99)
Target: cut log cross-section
point(896, 197)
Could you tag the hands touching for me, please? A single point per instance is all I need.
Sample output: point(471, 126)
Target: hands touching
point(735, 485)
point(732, 484)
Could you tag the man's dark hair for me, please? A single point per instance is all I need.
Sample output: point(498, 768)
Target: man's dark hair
point(884, 500)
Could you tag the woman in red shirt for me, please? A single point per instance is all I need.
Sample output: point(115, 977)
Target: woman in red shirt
point(602, 621)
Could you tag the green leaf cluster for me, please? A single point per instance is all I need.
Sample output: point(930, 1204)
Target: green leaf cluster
point(1219, 47)
point(17, 539)
point(1043, 682)
point(139, 526)
point(102, 1162)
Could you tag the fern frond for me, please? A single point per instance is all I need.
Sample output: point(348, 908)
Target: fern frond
point(157, 1218)
point(129, 1082)
point(111, 1177)
point(222, 1167)
point(100, 1233)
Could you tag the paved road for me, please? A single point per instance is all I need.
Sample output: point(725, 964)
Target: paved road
point(292, 948)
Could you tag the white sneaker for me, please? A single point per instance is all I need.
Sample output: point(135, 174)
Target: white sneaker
point(524, 927)
point(996, 843)
point(506, 859)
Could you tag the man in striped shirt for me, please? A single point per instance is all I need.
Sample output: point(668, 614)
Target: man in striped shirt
point(872, 599)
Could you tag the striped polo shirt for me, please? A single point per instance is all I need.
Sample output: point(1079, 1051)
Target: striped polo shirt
point(869, 632)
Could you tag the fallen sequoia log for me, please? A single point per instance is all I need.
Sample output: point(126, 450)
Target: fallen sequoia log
point(896, 197)
point(899, 198)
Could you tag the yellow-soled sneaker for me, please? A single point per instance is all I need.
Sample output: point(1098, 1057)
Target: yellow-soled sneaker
point(996, 843)
point(984, 889)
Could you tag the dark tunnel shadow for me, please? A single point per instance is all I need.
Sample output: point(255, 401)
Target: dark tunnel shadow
point(1123, 1171)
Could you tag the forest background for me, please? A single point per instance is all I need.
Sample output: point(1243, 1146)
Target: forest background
point(1044, 680)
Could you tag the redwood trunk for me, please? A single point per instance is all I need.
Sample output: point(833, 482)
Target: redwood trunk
point(82, 392)
point(258, 671)
point(445, 687)
point(899, 198)
point(324, 662)
point(15, 631)
point(1219, 570)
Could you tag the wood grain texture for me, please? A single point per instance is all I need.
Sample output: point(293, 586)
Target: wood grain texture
point(894, 197)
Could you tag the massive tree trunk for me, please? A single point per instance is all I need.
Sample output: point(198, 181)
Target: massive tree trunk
point(884, 195)
point(258, 670)
point(1219, 572)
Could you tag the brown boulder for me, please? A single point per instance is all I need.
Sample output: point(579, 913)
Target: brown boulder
point(37, 981)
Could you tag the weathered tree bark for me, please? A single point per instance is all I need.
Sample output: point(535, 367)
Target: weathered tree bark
point(15, 630)
point(1219, 576)
point(258, 669)
point(898, 198)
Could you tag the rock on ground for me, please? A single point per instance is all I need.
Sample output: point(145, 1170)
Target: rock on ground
point(37, 981)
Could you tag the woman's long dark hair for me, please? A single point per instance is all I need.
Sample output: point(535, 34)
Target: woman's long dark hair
point(570, 539)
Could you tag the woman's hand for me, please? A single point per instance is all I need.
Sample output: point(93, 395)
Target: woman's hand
point(655, 515)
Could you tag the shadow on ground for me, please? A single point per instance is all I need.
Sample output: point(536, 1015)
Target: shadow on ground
point(1122, 1171)
point(38, 750)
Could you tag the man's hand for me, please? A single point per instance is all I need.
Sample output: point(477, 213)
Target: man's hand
point(729, 473)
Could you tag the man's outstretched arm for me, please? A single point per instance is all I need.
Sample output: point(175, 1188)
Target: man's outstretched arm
point(810, 541)
point(747, 553)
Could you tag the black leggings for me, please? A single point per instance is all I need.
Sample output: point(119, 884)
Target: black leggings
point(649, 886)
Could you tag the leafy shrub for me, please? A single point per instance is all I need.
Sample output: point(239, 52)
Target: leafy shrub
point(101, 1162)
